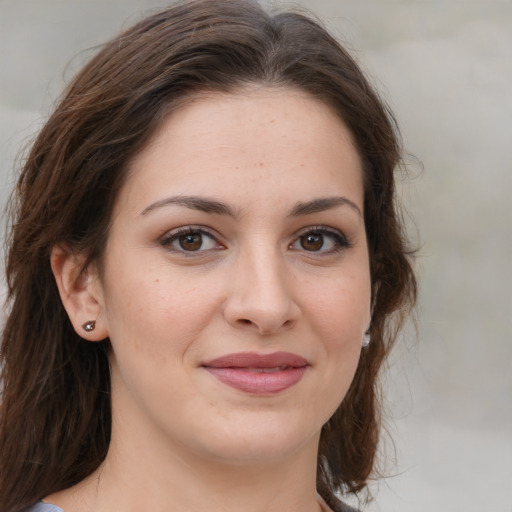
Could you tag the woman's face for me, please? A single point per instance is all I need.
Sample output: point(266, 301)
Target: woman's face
point(236, 286)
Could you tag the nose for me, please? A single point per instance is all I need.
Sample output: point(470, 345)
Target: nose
point(261, 294)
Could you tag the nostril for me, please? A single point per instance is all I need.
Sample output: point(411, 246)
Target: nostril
point(245, 321)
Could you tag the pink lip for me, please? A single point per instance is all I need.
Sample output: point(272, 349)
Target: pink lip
point(258, 373)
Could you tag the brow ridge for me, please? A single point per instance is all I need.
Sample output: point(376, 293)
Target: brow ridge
point(212, 206)
point(202, 204)
point(322, 204)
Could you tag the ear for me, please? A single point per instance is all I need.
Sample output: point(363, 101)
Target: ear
point(81, 292)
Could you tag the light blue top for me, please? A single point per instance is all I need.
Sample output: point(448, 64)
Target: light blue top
point(45, 507)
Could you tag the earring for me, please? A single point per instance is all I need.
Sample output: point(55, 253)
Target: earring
point(89, 326)
point(366, 339)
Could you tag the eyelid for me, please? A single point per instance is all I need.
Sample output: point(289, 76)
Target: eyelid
point(171, 235)
point(340, 239)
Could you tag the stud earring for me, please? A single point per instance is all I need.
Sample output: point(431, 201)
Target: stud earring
point(89, 326)
point(366, 339)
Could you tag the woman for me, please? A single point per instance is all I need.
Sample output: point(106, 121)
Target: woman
point(206, 270)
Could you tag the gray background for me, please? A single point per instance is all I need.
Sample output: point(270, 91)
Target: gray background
point(445, 66)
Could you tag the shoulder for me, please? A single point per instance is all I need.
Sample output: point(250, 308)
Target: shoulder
point(44, 507)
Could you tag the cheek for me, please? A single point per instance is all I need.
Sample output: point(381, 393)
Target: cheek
point(341, 308)
point(155, 312)
point(339, 317)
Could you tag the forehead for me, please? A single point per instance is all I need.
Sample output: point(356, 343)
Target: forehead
point(274, 137)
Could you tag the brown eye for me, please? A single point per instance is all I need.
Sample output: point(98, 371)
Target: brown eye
point(320, 239)
point(312, 241)
point(190, 239)
point(191, 242)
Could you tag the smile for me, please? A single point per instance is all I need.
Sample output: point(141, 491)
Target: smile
point(256, 373)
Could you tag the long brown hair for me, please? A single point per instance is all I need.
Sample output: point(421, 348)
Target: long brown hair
point(55, 414)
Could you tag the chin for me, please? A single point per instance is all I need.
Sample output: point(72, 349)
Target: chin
point(262, 441)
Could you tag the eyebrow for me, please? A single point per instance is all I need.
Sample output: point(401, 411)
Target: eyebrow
point(202, 204)
point(207, 205)
point(323, 204)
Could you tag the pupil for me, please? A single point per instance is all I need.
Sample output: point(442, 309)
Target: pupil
point(312, 241)
point(191, 242)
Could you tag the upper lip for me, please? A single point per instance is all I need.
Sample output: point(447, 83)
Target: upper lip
point(255, 360)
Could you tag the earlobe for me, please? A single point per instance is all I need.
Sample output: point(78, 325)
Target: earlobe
point(80, 291)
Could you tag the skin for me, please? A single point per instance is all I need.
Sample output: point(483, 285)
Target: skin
point(266, 275)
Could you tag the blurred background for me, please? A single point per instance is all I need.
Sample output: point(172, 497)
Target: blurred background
point(445, 67)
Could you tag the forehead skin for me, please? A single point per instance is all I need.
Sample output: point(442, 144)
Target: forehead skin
point(299, 117)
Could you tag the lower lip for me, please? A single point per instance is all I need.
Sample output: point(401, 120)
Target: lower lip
point(257, 382)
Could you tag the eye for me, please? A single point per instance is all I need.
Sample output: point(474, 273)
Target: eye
point(320, 240)
point(190, 239)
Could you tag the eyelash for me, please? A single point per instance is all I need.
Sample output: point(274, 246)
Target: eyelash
point(174, 236)
point(339, 240)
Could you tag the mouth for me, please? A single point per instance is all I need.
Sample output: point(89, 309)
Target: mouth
point(258, 373)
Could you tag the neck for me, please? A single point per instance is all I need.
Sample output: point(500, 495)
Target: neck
point(144, 475)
